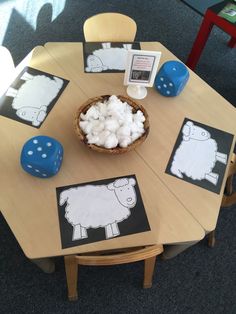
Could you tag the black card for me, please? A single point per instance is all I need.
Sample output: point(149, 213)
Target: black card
point(100, 210)
point(31, 96)
point(200, 155)
point(106, 57)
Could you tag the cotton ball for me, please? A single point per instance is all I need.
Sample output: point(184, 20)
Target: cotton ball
point(135, 136)
point(92, 139)
point(111, 141)
point(102, 137)
point(83, 116)
point(125, 141)
point(128, 108)
point(98, 127)
point(128, 118)
point(88, 127)
point(139, 116)
point(111, 125)
point(102, 107)
point(83, 125)
point(123, 131)
point(134, 127)
point(92, 113)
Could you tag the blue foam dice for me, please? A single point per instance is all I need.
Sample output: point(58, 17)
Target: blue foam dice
point(42, 156)
point(171, 78)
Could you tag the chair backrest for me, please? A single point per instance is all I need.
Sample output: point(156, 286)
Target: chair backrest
point(7, 69)
point(112, 27)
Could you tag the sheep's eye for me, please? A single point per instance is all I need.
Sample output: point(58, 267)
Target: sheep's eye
point(121, 190)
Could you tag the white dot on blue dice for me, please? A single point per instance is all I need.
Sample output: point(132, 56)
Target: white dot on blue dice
point(44, 155)
point(159, 87)
point(165, 85)
point(171, 84)
point(35, 141)
point(174, 69)
point(60, 158)
point(162, 79)
point(168, 92)
point(44, 175)
point(29, 166)
point(39, 149)
point(49, 144)
point(37, 170)
point(30, 152)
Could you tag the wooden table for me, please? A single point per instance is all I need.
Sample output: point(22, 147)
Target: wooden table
point(198, 101)
point(178, 212)
point(29, 204)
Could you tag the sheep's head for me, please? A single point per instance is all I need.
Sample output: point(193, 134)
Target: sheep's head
point(191, 131)
point(124, 191)
point(95, 64)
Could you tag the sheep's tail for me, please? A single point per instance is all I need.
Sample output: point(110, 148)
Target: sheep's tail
point(63, 197)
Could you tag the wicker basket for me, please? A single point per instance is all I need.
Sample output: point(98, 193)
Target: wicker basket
point(115, 150)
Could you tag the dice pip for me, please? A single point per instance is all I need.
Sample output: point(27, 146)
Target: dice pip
point(42, 156)
point(171, 78)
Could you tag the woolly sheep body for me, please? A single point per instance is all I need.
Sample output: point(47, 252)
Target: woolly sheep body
point(88, 215)
point(195, 161)
point(113, 58)
point(197, 154)
point(39, 84)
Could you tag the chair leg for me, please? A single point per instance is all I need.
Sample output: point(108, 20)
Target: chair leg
point(149, 265)
point(211, 238)
point(232, 42)
point(71, 268)
point(200, 41)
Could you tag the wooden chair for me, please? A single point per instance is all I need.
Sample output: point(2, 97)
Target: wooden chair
point(229, 197)
point(108, 258)
point(111, 27)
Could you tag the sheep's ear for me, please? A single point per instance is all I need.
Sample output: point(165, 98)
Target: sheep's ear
point(132, 181)
point(110, 186)
point(189, 123)
point(186, 130)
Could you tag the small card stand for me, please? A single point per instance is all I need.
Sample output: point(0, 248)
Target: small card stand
point(140, 71)
point(137, 91)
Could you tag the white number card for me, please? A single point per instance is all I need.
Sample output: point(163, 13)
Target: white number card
point(141, 70)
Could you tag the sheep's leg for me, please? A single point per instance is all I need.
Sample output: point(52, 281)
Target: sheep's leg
point(212, 177)
point(26, 77)
point(127, 46)
point(112, 230)
point(106, 45)
point(79, 233)
point(11, 92)
point(221, 158)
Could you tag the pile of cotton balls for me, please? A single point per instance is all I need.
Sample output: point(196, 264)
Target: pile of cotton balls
point(111, 123)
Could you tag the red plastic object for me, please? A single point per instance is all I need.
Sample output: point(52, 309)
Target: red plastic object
point(210, 19)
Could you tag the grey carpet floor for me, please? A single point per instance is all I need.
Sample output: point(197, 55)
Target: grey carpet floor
point(200, 280)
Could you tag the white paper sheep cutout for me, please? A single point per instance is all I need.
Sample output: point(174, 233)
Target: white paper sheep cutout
point(197, 155)
point(108, 58)
point(33, 97)
point(94, 206)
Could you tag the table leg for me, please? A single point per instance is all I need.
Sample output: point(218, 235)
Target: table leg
point(211, 238)
point(232, 42)
point(149, 265)
point(200, 42)
point(47, 265)
point(171, 251)
point(71, 267)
